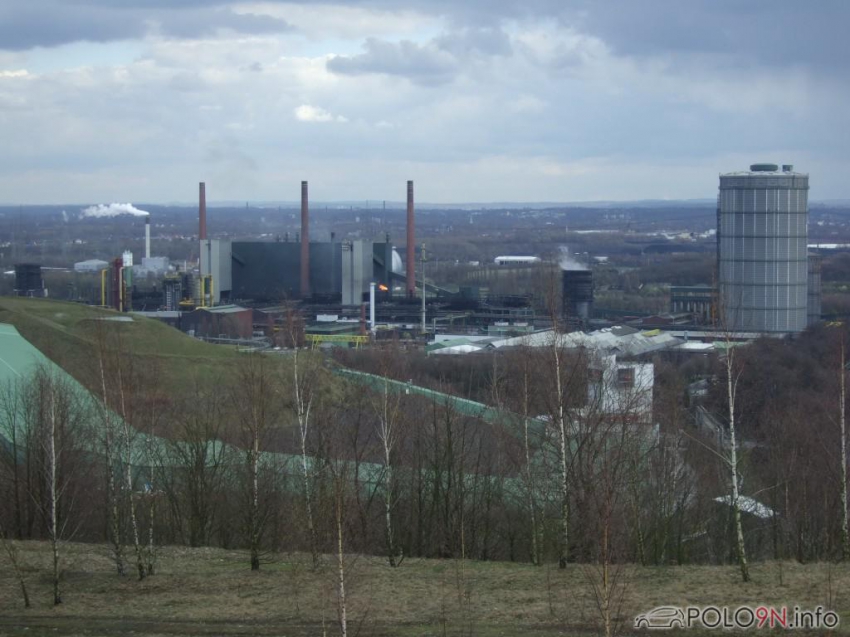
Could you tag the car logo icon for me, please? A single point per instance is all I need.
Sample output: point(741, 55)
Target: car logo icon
point(662, 617)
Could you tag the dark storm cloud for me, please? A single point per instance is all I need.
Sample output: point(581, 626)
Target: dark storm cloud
point(25, 24)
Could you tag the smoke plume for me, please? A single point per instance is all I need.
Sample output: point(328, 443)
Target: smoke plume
point(567, 262)
point(113, 210)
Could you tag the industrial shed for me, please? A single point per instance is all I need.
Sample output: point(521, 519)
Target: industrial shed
point(223, 321)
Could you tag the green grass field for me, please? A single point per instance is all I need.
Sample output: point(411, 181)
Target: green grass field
point(66, 332)
point(212, 592)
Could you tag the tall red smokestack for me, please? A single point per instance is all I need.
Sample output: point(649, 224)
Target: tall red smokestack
point(411, 251)
point(202, 210)
point(305, 242)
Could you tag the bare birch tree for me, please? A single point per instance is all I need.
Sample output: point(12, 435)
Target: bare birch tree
point(525, 362)
point(304, 377)
point(255, 399)
point(124, 378)
point(14, 421)
point(59, 420)
point(195, 483)
point(110, 454)
point(389, 412)
point(559, 412)
point(12, 552)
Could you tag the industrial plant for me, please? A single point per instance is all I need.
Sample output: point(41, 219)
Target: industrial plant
point(350, 288)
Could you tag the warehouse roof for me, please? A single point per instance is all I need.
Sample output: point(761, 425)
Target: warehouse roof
point(224, 309)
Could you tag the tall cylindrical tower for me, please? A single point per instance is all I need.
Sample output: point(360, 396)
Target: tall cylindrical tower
point(762, 255)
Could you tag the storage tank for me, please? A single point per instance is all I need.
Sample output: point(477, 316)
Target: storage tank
point(762, 253)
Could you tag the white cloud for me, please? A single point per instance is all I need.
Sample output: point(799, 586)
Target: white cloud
point(308, 113)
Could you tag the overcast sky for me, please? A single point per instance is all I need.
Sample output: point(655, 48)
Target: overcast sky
point(476, 100)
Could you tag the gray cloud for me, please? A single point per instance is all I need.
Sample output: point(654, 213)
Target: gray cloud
point(472, 40)
point(25, 24)
point(436, 62)
point(758, 32)
point(420, 64)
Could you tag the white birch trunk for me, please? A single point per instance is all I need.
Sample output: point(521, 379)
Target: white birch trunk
point(731, 387)
point(112, 500)
point(128, 479)
point(53, 490)
point(387, 435)
point(563, 458)
point(302, 412)
point(343, 613)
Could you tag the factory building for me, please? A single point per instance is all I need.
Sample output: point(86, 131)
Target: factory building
point(224, 321)
point(28, 280)
point(696, 300)
point(762, 231)
point(272, 271)
point(577, 296)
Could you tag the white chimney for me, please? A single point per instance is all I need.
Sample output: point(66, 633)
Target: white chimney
point(148, 237)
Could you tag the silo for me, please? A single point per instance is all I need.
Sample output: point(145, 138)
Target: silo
point(762, 253)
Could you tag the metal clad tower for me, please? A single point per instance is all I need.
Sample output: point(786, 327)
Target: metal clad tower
point(762, 255)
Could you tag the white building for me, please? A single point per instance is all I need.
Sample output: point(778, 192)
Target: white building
point(511, 260)
point(619, 388)
point(152, 265)
point(92, 265)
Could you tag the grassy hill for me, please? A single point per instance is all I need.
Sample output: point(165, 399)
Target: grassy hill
point(212, 592)
point(66, 333)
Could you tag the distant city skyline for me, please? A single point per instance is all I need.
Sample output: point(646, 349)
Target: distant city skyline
point(547, 100)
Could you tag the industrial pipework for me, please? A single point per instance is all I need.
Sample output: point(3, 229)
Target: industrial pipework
point(205, 292)
point(305, 242)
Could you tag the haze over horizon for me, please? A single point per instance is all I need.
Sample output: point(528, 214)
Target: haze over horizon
point(561, 101)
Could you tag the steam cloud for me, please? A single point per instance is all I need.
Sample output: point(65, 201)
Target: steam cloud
point(567, 262)
point(113, 210)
